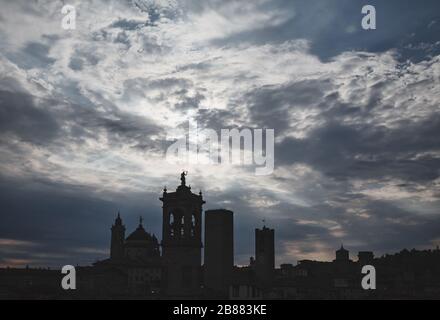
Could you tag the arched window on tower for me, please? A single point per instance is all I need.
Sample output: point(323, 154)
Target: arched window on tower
point(176, 224)
point(181, 229)
point(171, 224)
point(193, 225)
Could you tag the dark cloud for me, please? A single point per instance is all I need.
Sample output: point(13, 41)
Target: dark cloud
point(21, 117)
point(156, 11)
point(57, 122)
point(390, 227)
point(127, 24)
point(76, 64)
point(33, 55)
point(367, 151)
point(344, 139)
point(61, 218)
point(121, 128)
point(179, 88)
point(198, 67)
point(123, 38)
point(336, 27)
point(138, 86)
point(189, 101)
point(387, 228)
point(217, 119)
point(272, 106)
point(82, 58)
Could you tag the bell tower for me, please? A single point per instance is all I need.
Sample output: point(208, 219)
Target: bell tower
point(182, 240)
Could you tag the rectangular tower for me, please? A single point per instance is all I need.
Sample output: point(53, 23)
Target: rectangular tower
point(265, 254)
point(219, 250)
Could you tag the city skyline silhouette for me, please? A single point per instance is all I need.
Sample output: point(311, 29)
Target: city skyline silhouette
point(316, 119)
point(140, 265)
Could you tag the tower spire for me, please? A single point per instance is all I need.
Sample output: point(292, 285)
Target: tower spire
point(118, 220)
point(117, 238)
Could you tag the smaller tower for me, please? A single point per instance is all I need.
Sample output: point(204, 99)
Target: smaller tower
point(342, 254)
point(265, 254)
point(117, 239)
point(365, 257)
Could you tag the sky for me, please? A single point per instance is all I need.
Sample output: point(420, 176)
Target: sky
point(86, 117)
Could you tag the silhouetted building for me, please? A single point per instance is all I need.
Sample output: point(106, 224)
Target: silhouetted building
point(219, 250)
point(244, 285)
point(30, 283)
point(117, 239)
point(265, 254)
point(138, 261)
point(342, 255)
point(140, 245)
point(365, 257)
point(137, 269)
point(182, 241)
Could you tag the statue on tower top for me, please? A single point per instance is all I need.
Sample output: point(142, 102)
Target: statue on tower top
point(182, 178)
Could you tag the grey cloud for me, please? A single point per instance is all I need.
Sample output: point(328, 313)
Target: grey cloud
point(329, 34)
point(33, 55)
point(76, 64)
point(127, 24)
point(60, 218)
point(344, 151)
point(179, 88)
point(20, 116)
point(217, 119)
point(170, 83)
point(271, 106)
point(158, 10)
point(390, 228)
point(120, 127)
point(82, 58)
point(189, 102)
point(347, 140)
point(57, 122)
point(123, 38)
point(198, 66)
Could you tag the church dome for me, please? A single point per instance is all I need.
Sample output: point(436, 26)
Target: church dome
point(139, 235)
point(141, 246)
point(139, 238)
